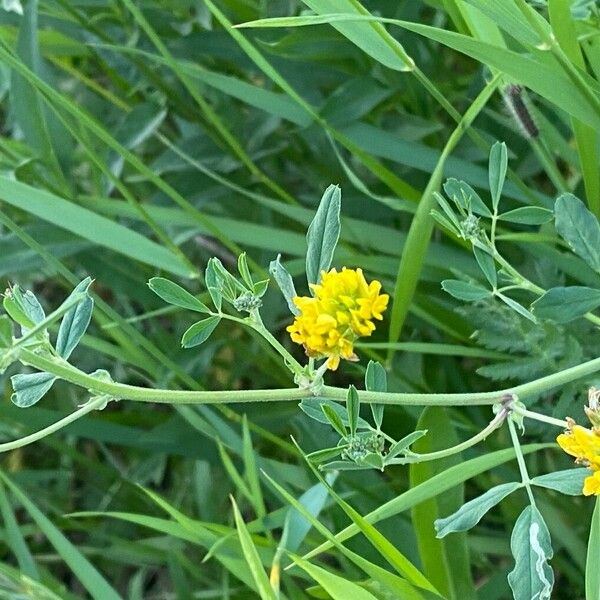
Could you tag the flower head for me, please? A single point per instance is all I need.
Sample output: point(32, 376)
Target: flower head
point(343, 309)
point(584, 445)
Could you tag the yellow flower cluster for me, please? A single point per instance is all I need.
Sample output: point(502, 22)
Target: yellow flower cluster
point(342, 310)
point(584, 445)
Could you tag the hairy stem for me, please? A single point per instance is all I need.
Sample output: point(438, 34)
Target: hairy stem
point(66, 371)
point(413, 457)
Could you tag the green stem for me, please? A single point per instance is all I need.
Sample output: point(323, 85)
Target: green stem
point(64, 370)
point(539, 417)
point(259, 327)
point(94, 404)
point(526, 284)
point(521, 460)
point(421, 228)
point(413, 457)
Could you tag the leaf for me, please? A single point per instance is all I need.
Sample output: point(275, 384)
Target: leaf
point(497, 171)
point(372, 38)
point(199, 332)
point(353, 408)
point(531, 547)
point(323, 234)
point(244, 271)
point(462, 290)
point(23, 307)
point(376, 381)
point(487, 265)
point(261, 580)
point(592, 572)
point(334, 419)
point(296, 526)
point(404, 443)
point(528, 215)
point(435, 486)
point(338, 588)
point(569, 481)
point(517, 307)
point(564, 304)
point(469, 514)
point(75, 322)
point(86, 573)
point(212, 284)
point(285, 282)
point(312, 408)
point(579, 228)
point(30, 388)
point(173, 293)
point(466, 197)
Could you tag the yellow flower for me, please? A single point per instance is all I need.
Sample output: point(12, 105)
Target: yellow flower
point(584, 445)
point(342, 310)
point(591, 485)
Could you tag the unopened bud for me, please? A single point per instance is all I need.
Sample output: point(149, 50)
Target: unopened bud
point(592, 410)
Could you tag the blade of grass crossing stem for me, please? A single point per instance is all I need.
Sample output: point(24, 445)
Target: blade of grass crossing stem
point(438, 484)
point(445, 561)
point(585, 136)
point(88, 575)
point(14, 538)
point(592, 570)
point(209, 113)
point(421, 228)
point(263, 585)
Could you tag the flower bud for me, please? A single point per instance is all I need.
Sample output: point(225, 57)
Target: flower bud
point(592, 410)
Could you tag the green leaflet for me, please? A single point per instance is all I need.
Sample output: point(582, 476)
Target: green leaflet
point(285, 282)
point(569, 481)
point(75, 322)
point(462, 290)
point(199, 332)
point(564, 304)
point(173, 293)
point(323, 234)
point(532, 576)
point(579, 228)
point(469, 514)
point(497, 171)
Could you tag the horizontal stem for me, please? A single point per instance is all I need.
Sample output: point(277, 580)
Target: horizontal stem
point(64, 370)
